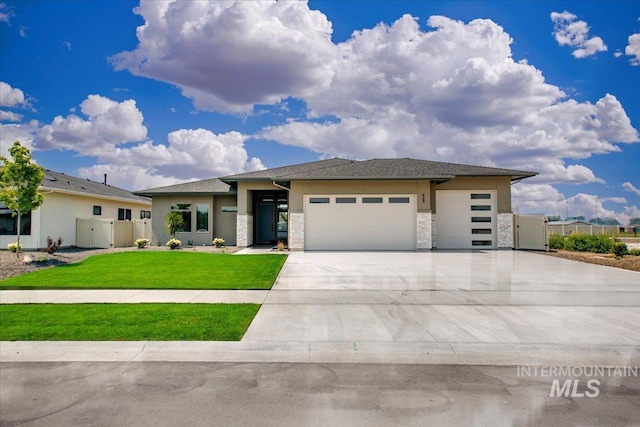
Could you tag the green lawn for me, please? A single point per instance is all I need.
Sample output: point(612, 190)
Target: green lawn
point(125, 322)
point(156, 270)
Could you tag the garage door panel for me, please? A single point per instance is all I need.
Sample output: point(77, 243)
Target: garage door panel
point(360, 226)
point(456, 211)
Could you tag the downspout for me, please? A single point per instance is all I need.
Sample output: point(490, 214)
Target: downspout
point(288, 203)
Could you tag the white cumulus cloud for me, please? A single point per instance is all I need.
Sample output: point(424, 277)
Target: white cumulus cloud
point(569, 32)
point(9, 116)
point(544, 198)
point(453, 94)
point(23, 132)
point(228, 56)
point(11, 97)
point(633, 49)
point(190, 154)
point(106, 124)
point(630, 187)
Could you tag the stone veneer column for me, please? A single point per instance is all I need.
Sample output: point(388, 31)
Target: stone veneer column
point(505, 230)
point(434, 232)
point(296, 231)
point(244, 227)
point(423, 231)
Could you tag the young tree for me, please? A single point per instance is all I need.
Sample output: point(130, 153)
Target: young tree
point(19, 182)
point(174, 222)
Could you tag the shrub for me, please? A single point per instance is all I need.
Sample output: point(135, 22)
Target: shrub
point(556, 241)
point(634, 252)
point(53, 245)
point(619, 249)
point(13, 247)
point(141, 243)
point(174, 243)
point(218, 242)
point(589, 243)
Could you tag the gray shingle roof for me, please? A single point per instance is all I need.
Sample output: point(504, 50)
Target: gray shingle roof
point(302, 168)
point(63, 182)
point(207, 186)
point(339, 169)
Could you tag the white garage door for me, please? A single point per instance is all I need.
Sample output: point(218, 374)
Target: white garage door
point(466, 219)
point(360, 222)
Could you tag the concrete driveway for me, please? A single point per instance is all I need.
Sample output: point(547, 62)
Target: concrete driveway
point(540, 308)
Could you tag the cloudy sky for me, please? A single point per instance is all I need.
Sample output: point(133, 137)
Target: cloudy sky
point(161, 92)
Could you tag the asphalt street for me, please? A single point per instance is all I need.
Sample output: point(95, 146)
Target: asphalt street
point(276, 394)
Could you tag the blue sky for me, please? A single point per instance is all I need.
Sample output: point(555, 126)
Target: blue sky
point(156, 93)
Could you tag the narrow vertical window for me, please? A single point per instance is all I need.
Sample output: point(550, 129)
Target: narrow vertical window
point(202, 218)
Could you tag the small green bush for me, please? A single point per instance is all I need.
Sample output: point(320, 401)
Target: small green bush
point(634, 252)
point(619, 250)
point(589, 243)
point(556, 241)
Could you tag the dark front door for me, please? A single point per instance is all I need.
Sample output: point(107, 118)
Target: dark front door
point(266, 223)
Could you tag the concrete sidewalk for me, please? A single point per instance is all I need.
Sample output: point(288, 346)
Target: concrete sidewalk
point(495, 354)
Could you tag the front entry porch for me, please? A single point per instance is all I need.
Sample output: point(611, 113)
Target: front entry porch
point(270, 224)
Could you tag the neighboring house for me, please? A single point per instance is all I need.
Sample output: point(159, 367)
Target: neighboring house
point(339, 204)
point(66, 199)
point(576, 226)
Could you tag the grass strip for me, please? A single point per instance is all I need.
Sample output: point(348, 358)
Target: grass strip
point(125, 322)
point(156, 270)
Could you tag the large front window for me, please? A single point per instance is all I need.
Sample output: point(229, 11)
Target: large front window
point(185, 210)
point(202, 218)
point(9, 223)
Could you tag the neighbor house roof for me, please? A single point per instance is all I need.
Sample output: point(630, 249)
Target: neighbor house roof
point(570, 222)
point(58, 181)
point(375, 169)
point(211, 186)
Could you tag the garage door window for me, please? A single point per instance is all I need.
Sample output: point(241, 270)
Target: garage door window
point(372, 200)
point(480, 196)
point(345, 199)
point(319, 200)
point(398, 200)
point(481, 243)
point(480, 219)
point(480, 207)
point(480, 231)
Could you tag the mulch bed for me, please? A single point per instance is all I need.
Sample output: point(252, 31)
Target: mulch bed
point(628, 262)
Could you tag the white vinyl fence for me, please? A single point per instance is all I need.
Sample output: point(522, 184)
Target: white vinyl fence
point(110, 233)
point(530, 232)
point(567, 229)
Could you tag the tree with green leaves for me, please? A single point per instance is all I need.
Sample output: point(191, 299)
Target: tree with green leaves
point(174, 222)
point(19, 182)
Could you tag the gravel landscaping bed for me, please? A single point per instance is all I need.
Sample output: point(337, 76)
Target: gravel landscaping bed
point(10, 265)
point(628, 262)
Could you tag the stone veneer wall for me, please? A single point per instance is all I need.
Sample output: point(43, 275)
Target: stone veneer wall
point(505, 231)
point(423, 231)
point(296, 231)
point(434, 232)
point(244, 226)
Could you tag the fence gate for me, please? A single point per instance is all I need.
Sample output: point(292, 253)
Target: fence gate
point(110, 233)
point(530, 232)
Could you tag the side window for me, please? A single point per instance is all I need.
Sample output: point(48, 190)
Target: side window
point(124, 214)
point(185, 211)
point(97, 210)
